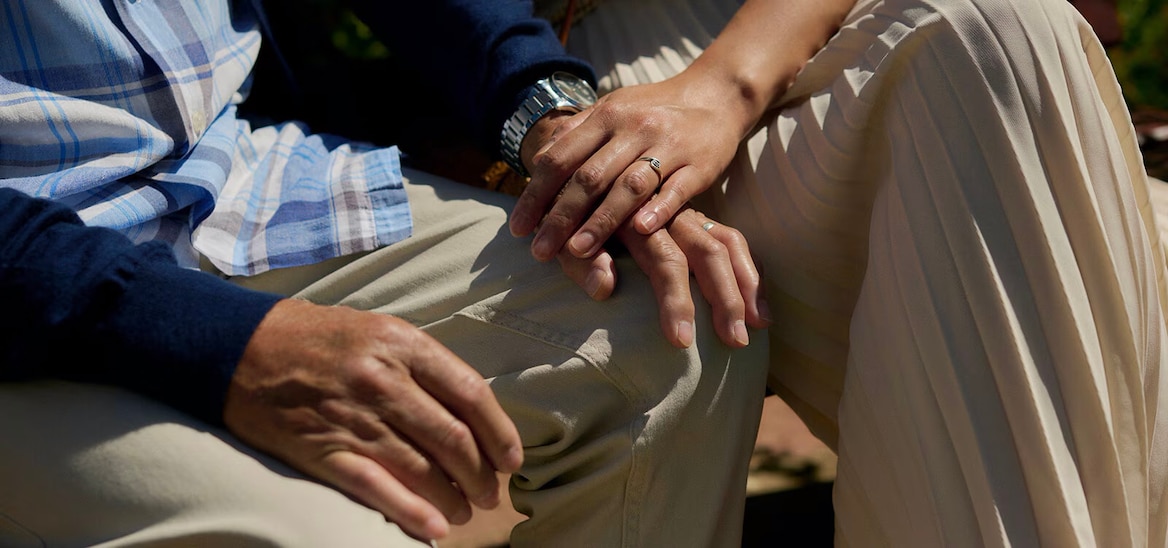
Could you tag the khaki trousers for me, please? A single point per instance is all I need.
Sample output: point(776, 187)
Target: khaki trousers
point(962, 262)
point(628, 441)
point(966, 276)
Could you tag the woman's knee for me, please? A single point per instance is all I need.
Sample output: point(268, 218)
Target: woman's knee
point(997, 27)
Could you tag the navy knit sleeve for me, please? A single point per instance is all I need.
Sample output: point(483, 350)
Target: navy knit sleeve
point(85, 304)
point(484, 53)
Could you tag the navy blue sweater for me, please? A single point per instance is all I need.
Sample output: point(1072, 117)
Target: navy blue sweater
point(485, 53)
point(85, 304)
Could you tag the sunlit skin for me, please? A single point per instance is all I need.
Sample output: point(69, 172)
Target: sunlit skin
point(587, 186)
point(377, 408)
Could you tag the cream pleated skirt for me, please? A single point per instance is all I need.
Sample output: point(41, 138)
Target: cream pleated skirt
point(963, 263)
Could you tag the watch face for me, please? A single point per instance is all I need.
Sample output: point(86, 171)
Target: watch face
point(574, 88)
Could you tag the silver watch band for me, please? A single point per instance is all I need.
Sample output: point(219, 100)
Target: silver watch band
point(543, 98)
point(539, 103)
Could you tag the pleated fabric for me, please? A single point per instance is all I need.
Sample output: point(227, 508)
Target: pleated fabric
point(963, 263)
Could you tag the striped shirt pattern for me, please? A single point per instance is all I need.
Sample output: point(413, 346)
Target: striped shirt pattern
point(125, 110)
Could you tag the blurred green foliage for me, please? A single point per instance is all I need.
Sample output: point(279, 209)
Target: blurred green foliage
point(354, 39)
point(1141, 60)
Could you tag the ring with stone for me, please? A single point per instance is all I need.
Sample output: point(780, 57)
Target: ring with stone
point(707, 225)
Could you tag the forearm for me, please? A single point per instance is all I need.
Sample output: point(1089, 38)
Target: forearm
point(86, 304)
point(759, 53)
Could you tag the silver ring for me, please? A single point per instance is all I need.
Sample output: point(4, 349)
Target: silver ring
point(708, 225)
point(653, 163)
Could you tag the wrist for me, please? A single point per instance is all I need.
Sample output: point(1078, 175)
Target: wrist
point(741, 99)
point(561, 91)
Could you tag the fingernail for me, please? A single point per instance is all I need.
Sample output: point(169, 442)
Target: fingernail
point(488, 501)
point(740, 334)
point(649, 220)
point(595, 278)
point(514, 458)
point(685, 333)
point(437, 527)
point(541, 247)
point(764, 311)
point(583, 243)
point(521, 219)
point(463, 515)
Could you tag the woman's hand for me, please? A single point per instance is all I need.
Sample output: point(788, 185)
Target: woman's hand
point(586, 179)
point(717, 255)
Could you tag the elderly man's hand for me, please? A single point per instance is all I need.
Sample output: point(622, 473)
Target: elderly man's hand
point(716, 254)
point(375, 407)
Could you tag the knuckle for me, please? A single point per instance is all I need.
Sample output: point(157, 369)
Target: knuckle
point(382, 327)
point(672, 259)
point(413, 342)
point(640, 182)
point(709, 248)
point(632, 115)
point(550, 160)
point(414, 465)
point(735, 237)
point(605, 220)
point(590, 178)
point(558, 220)
point(674, 194)
point(527, 199)
point(471, 391)
point(455, 436)
point(365, 477)
point(334, 410)
point(415, 337)
point(372, 378)
point(609, 110)
point(646, 122)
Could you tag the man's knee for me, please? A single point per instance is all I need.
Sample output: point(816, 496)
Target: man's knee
point(87, 464)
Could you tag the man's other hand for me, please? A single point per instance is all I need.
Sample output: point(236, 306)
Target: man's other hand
point(377, 408)
point(717, 255)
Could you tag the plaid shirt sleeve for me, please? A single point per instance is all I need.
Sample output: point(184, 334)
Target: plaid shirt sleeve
point(125, 111)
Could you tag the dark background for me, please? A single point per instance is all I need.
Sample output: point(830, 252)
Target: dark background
point(344, 81)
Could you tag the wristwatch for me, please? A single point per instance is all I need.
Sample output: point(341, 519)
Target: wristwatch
point(560, 91)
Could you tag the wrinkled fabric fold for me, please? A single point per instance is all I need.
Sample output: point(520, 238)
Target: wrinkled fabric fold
point(964, 266)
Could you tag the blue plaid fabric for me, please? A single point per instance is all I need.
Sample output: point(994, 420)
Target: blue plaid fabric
point(125, 110)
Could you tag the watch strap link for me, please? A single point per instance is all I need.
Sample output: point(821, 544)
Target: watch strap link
point(543, 97)
point(539, 103)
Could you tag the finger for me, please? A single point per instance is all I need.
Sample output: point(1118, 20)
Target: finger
point(552, 165)
point(714, 271)
point(584, 188)
point(661, 259)
point(758, 313)
point(467, 395)
point(428, 420)
point(376, 440)
point(677, 190)
point(373, 486)
point(631, 189)
point(596, 275)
